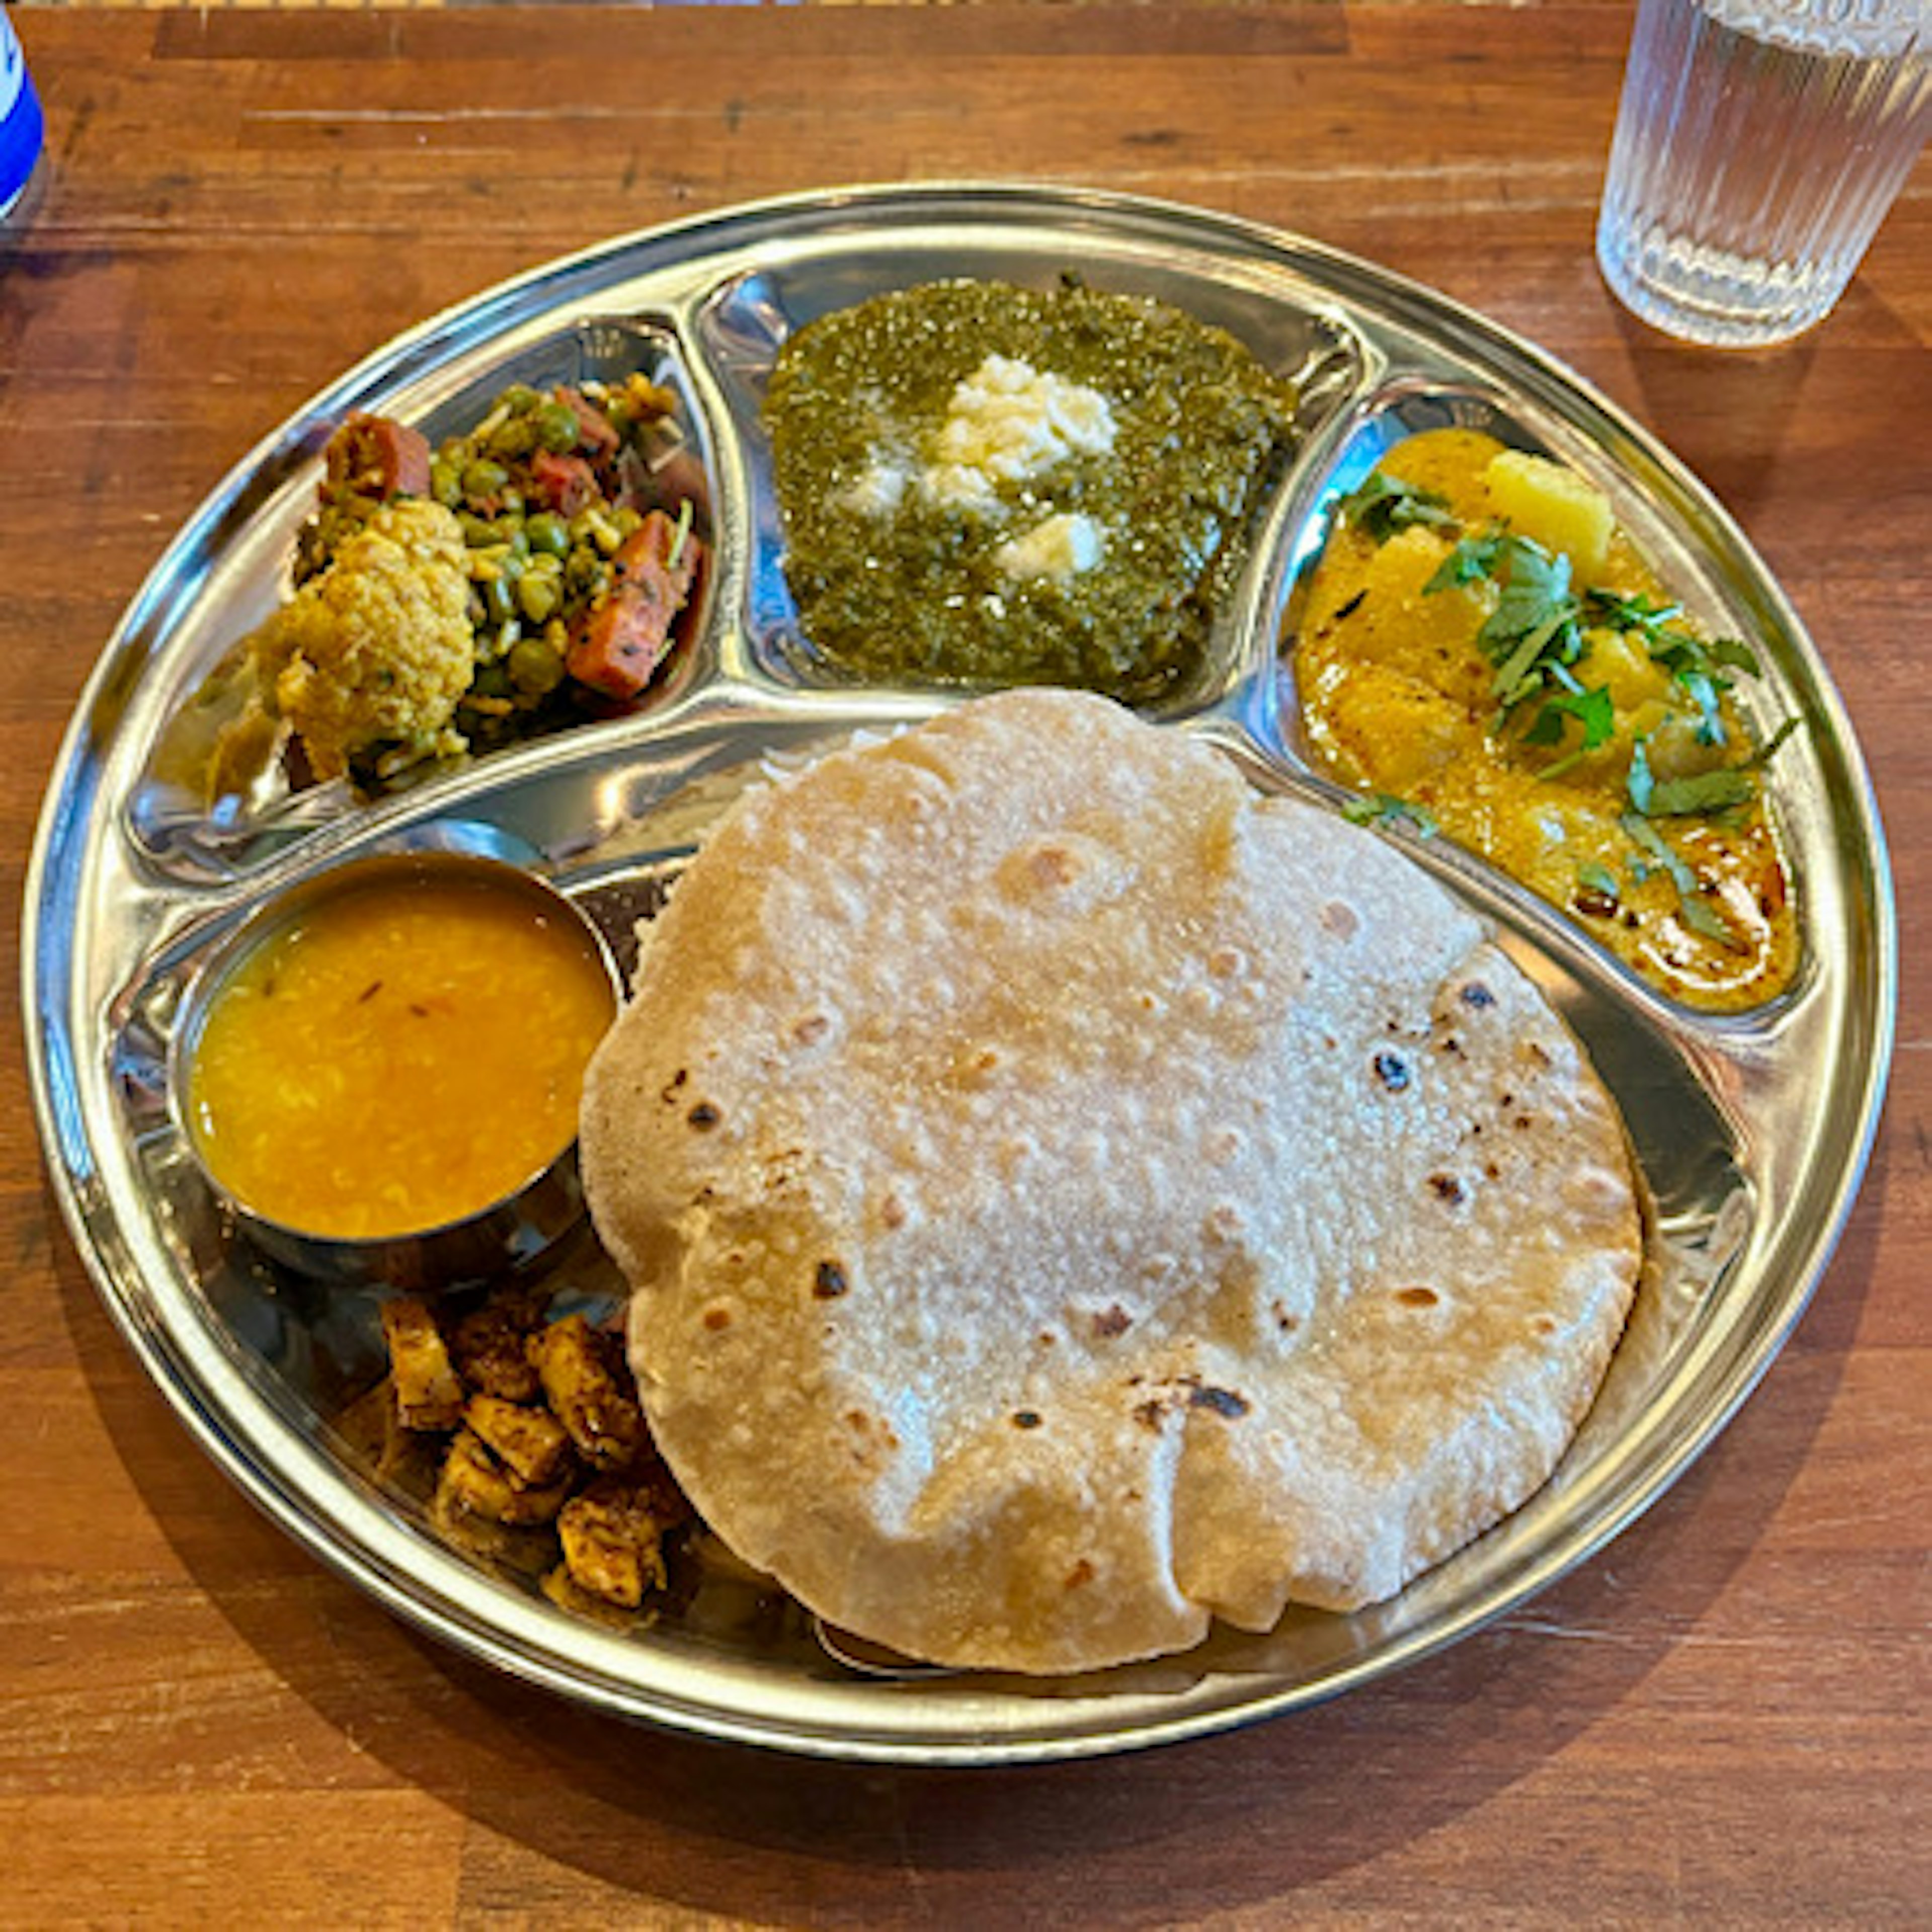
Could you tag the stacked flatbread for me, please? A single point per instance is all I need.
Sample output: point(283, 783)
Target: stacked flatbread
point(1070, 1196)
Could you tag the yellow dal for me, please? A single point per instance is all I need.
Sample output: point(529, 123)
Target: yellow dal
point(1396, 697)
point(403, 1055)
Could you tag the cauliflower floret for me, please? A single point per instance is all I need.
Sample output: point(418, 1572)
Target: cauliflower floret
point(377, 650)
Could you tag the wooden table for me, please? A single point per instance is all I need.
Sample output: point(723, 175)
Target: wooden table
point(1721, 1719)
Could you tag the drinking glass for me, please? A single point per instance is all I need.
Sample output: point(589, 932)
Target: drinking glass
point(1759, 145)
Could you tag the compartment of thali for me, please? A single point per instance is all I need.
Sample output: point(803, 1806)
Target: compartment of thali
point(955, 491)
point(1497, 630)
point(515, 543)
point(375, 1073)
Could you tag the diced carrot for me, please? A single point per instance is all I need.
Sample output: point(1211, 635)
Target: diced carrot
point(376, 456)
point(620, 641)
point(564, 484)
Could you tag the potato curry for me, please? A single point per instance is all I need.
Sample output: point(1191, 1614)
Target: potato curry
point(1482, 650)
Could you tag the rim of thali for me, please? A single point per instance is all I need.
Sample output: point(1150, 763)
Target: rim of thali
point(301, 1488)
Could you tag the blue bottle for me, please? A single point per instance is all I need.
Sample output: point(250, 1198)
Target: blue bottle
point(21, 128)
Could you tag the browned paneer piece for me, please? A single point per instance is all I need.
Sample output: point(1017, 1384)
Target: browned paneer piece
point(428, 1393)
point(612, 1539)
point(473, 1482)
point(491, 1345)
point(582, 1369)
point(531, 1443)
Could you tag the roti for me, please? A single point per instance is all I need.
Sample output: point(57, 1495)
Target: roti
point(1069, 1195)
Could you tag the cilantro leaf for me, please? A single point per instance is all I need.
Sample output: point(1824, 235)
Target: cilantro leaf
point(1592, 708)
point(1702, 791)
point(1595, 878)
point(1531, 636)
point(1472, 559)
point(1697, 915)
point(1382, 807)
point(1384, 504)
point(1697, 664)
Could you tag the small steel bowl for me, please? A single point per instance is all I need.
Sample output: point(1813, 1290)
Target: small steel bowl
point(495, 1239)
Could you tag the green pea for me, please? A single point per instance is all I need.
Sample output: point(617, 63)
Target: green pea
point(445, 483)
point(515, 436)
point(482, 478)
point(548, 534)
point(478, 532)
point(556, 426)
point(534, 666)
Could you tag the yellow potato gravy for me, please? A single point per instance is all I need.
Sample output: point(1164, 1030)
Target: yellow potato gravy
point(1398, 698)
point(399, 1056)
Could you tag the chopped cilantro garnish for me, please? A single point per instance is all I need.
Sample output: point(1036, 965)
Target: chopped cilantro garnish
point(1384, 505)
point(1697, 665)
point(1702, 791)
point(1698, 916)
point(1599, 878)
point(1382, 807)
point(1472, 559)
point(1532, 637)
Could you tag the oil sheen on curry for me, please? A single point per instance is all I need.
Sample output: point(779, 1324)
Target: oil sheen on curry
point(1482, 650)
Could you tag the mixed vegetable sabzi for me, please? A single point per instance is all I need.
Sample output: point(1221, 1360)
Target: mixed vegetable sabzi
point(531, 573)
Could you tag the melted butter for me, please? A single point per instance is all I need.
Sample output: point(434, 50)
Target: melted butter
point(1396, 697)
point(403, 1056)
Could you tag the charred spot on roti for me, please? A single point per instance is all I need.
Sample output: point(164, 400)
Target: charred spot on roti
point(1418, 1296)
point(703, 1117)
point(669, 1094)
point(718, 1317)
point(1339, 920)
point(1112, 1321)
point(811, 1029)
point(828, 1281)
point(1392, 1070)
point(1447, 1189)
point(1218, 1401)
point(1474, 993)
point(1082, 1572)
point(1027, 1418)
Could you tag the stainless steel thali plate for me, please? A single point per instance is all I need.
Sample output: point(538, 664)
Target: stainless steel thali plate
point(1751, 1130)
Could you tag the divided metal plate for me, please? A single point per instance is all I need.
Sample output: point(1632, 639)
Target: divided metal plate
point(1751, 1130)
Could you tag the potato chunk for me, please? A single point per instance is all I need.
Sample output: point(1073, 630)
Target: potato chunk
point(1552, 506)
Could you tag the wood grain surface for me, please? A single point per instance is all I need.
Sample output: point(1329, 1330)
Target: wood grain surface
point(1722, 1720)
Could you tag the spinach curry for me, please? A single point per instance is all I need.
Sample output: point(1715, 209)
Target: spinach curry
point(982, 484)
point(1481, 648)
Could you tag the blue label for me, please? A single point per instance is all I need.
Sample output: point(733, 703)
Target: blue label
point(20, 125)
